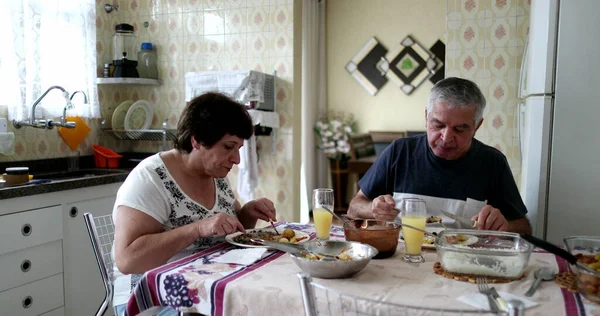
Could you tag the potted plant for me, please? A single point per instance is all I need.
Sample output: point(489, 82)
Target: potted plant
point(334, 130)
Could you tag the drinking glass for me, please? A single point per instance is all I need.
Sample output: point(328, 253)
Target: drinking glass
point(413, 212)
point(322, 198)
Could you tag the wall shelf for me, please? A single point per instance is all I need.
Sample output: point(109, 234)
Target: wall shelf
point(136, 81)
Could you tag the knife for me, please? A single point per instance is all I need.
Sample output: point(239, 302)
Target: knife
point(463, 220)
point(502, 305)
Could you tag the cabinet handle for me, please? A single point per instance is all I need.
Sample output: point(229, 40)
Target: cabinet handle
point(27, 302)
point(25, 265)
point(26, 230)
point(73, 212)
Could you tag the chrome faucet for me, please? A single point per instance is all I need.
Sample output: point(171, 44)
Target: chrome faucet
point(85, 98)
point(63, 120)
point(41, 123)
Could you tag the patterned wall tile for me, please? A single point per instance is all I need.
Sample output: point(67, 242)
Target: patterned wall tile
point(235, 46)
point(236, 20)
point(470, 34)
point(470, 9)
point(281, 17)
point(258, 19)
point(501, 31)
point(193, 24)
point(193, 6)
point(502, 8)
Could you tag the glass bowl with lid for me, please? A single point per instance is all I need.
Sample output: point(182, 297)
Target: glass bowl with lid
point(483, 253)
point(587, 251)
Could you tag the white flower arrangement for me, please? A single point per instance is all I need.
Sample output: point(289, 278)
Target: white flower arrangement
point(334, 131)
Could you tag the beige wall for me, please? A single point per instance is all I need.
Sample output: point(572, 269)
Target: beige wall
point(350, 23)
point(486, 39)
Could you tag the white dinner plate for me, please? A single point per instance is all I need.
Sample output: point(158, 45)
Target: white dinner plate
point(139, 116)
point(230, 238)
point(118, 117)
point(429, 245)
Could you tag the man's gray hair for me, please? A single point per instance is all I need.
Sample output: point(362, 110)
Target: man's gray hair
point(457, 92)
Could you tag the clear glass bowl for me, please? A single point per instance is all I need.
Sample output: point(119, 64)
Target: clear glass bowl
point(587, 251)
point(483, 253)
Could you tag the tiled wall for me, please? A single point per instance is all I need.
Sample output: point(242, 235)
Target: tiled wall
point(195, 35)
point(486, 39)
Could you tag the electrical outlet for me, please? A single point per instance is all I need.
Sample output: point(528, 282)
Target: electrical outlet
point(3, 127)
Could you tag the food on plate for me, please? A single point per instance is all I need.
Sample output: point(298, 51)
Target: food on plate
point(288, 233)
point(429, 240)
point(433, 219)
point(589, 282)
point(456, 239)
point(269, 236)
point(341, 256)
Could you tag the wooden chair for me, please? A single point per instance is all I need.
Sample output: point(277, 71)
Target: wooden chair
point(361, 145)
point(381, 139)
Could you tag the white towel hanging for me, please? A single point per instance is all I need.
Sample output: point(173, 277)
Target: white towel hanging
point(248, 175)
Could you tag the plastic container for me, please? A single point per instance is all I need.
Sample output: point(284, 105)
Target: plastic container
point(587, 251)
point(105, 158)
point(16, 175)
point(483, 253)
point(147, 62)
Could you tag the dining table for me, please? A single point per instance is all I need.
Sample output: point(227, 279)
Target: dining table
point(200, 284)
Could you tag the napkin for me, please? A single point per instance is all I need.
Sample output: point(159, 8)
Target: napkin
point(245, 256)
point(480, 300)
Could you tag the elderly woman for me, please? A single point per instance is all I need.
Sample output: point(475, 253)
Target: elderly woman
point(179, 200)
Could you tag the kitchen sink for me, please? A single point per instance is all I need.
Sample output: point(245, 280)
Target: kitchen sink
point(77, 174)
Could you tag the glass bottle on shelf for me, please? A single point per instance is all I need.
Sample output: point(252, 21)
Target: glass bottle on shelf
point(147, 61)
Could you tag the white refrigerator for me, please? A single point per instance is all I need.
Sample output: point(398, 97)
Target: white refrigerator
point(560, 119)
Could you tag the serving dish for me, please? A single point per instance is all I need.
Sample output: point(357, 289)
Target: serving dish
point(360, 255)
point(587, 251)
point(380, 234)
point(492, 254)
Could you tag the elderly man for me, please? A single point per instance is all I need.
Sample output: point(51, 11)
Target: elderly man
point(447, 167)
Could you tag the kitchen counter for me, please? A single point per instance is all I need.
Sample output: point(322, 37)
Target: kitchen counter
point(64, 184)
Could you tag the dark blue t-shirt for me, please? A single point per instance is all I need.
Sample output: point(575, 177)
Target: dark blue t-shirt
point(408, 166)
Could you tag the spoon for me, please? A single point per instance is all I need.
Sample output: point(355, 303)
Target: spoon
point(293, 249)
point(542, 274)
point(344, 221)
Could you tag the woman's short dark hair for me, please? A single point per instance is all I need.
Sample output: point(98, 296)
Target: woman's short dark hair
point(208, 118)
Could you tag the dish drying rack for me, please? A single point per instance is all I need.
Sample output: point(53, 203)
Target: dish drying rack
point(163, 134)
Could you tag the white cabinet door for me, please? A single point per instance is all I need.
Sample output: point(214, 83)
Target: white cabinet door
point(84, 290)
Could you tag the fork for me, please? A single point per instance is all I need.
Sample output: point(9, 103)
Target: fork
point(483, 288)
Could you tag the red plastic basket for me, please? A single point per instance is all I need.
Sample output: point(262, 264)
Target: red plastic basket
point(105, 158)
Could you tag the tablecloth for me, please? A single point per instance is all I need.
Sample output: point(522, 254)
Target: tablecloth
point(270, 286)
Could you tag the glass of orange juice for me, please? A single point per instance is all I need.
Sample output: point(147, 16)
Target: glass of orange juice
point(322, 198)
point(413, 212)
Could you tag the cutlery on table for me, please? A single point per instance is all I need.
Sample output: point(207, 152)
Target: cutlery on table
point(483, 288)
point(344, 221)
point(541, 274)
point(462, 220)
point(499, 300)
point(273, 225)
